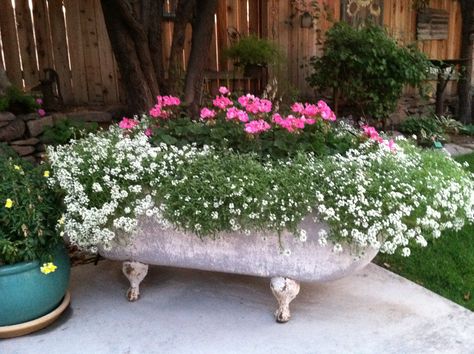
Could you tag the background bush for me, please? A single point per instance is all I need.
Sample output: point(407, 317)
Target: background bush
point(367, 69)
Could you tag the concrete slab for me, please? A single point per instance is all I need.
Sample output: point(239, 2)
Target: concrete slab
point(188, 311)
point(456, 150)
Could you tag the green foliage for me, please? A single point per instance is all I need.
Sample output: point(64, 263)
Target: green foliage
point(430, 128)
point(467, 129)
point(446, 267)
point(321, 138)
point(252, 50)
point(64, 131)
point(17, 102)
point(426, 129)
point(29, 212)
point(367, 68)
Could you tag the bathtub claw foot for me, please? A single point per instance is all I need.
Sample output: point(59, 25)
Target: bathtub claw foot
point(284, 290)
point(135, 272)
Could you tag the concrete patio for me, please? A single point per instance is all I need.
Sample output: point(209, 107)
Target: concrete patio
point(188, 311)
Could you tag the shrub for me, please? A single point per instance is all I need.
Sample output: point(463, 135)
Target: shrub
point(29, 212)
point(252, 50)
point(430, 128)
point(64, 131)
point(367, 69)
point(17, 102)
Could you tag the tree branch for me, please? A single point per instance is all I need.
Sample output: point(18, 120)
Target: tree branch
point(126, 11)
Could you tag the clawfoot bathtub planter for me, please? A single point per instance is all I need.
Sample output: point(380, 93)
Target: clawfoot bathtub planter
point(234, 252)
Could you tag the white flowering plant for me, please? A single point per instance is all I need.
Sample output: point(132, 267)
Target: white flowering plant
point(384, 194)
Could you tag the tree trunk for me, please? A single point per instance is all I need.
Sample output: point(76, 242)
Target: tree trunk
point(467, 38)
point(135, 32)
point(4, 82)
point(185, 9)
point(129, 38)
point(203, 25)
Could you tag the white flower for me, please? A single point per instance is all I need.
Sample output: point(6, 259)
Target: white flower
point(406, 252)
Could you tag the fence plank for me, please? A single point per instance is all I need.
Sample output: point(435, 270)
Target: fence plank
point(44, 47)
point(26, 43)
point(222, 33)
point(108, 74)
point(2, 64)
point(78, 70)
point(91, 51)
point(254, 16)
point(243, 23)
point(167, 37)
point(10, 47)
point(60, 49)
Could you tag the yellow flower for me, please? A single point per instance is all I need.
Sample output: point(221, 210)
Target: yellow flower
point(8, 203)
point(48, 268)
point(46, 174)
point(61, 221)
point(16, 167)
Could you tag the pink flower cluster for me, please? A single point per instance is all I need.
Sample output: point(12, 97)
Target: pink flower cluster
point(292, 123)
point(41, 112)
point(373, 134)
point(311, 110)
point(257, 126)
point(159, 111)
point(222, 102)
point(253, 111)
point(207, 113)
point(128, 123)
point(254, 104)
point(235, 113)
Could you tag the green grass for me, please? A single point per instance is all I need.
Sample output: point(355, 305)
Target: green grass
point(445, 266)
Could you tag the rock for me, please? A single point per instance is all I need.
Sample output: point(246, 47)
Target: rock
point(6, 117)
point(90, 116)
point(40, 148)
point(3, 124)
point(23, 150)
point(31, 141)
point(36, 127)
point(12, 131)
point(29, 116)
point(58, 117)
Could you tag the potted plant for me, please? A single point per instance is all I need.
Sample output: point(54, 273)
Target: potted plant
point(34, 265)
point(250, 189)
point(253, 53)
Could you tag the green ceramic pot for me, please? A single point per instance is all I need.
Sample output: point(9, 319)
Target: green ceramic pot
point(26, 293)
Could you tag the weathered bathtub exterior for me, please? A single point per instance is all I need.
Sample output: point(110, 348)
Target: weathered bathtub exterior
point(255, 254)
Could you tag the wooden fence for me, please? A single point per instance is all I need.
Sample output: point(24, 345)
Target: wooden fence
point(70, 36)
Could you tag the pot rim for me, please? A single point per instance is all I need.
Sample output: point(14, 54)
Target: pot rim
point(20, 267)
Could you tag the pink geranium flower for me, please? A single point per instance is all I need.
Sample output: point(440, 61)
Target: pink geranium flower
point(223, 90)
point(310, 110)
point(127, 123)
point(257, 126)
point(235, 113)
point(166, 101)
point(41, 112)
point(222, 102)
point(297, 107)
point(155, 112)
point(39, 101)
point(148, 132)
point(207, 113)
